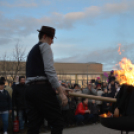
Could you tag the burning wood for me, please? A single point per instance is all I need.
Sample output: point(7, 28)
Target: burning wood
point(106, 115)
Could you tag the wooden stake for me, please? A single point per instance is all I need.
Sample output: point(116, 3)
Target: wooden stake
point(108, 99)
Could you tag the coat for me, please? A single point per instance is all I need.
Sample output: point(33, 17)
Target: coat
point(89, 92)
point(9, 89)
point(18, 96)
point(5, 101)
point(81, 109)
point(99, 93)
point(94, 108)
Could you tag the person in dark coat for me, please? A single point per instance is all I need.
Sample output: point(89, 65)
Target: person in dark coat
point(94, 110)
point(112, 88)
point(111, 77)
point(105, 105)
point(18, 100)
point(5, 106)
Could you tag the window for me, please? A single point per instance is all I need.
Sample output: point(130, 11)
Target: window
point(84, 77)
point(79, 77)
point(80, 83)
point(72, 77)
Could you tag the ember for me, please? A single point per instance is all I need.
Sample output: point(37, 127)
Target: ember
point(119, 51)
point(105, 115)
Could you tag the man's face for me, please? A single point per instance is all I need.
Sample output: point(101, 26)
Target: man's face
point(47, 39)
point(22, 81)
point(89, 86)
point(2, 87)
point(76, 87)
point(50, 40)
point(85, 101)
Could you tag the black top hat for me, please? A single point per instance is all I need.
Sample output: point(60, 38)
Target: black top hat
point(49, 31)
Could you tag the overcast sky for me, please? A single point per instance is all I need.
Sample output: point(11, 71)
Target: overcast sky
point(86, 30)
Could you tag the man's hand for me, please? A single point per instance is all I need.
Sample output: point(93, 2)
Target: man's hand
point(63, 99)
point(62, 94)
point(87, 111)
point(93, 101)
point(66, 91)
point(116, 112)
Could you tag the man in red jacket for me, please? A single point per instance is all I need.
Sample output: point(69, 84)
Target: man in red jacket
point(82, 113)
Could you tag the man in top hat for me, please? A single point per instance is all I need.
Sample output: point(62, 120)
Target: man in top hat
point(42, 82)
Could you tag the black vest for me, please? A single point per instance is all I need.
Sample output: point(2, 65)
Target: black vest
point(34, 64)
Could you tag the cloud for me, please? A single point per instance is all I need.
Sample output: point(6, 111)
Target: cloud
point(19, 3)
point(5, 40)
point(24, 26)
point(108, 56)
point(116, 8)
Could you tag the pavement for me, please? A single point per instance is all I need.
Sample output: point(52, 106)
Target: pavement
point(86, 129)
point(90, 129)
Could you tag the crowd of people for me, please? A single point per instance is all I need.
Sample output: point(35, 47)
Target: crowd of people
point(81, 111)
point(78, 111)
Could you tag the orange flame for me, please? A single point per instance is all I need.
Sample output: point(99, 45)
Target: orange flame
point(105, 115)
point(119, 50)
point(126, 74)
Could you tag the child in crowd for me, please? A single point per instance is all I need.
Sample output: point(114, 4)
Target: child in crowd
point(82, 113)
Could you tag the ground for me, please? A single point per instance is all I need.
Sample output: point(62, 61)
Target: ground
point(90, 129)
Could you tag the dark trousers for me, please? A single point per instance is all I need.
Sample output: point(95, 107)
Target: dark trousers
point(96, 118)
point(65, 114)
point(86, 118)
point(42, 103)
point(72, 116)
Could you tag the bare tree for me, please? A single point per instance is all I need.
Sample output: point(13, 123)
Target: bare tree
point(3, 66)
point(17, 61)
point(14, 65)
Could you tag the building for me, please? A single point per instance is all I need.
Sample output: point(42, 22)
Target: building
point(80, 73)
